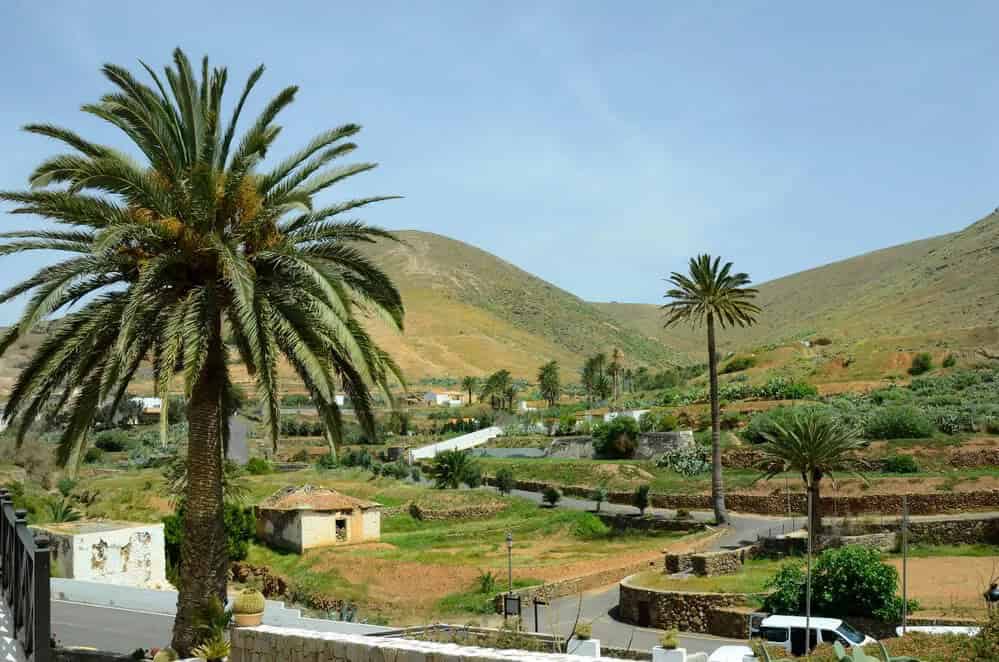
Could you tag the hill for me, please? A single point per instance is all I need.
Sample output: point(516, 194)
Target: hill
point(928, 289)
point(470, 312)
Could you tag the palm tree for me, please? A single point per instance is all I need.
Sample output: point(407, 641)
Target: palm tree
point(469, 384)
point(594, 378)
point(451, 468)
point(548, 382)
point(712, 294)
point(815, 444)
point(497, 388)
point(614, 370)
point(193, 243)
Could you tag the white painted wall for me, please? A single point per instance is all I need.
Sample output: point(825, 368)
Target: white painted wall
point(464, 442)
point(372, 524)
point(128, 555)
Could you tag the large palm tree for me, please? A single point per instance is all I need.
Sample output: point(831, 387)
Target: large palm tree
point(614, 371)
point(815, 444)
point(172, 253)
point(711, 294)
point(469, 384)
point(549, 384)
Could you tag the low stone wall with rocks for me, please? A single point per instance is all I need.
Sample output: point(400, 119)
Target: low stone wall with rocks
point(960, 531)
point(267, 643)
point(707, 564)
point(575, 585)
point(653, 444)
point(687, 612)
point(973, 458)
point(650, 524)
point(571, 448)
point(471, 511)
point(731, 622)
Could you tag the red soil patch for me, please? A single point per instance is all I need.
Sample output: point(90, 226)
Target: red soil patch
point(949, 585)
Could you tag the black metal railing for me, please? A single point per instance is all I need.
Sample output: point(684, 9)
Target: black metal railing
point(24, 582)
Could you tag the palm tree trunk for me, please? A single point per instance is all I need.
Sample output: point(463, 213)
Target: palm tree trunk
point(815, 523)
point(203, 549)
point(164, 418)
point(717, 486)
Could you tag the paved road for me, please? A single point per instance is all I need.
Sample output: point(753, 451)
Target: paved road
point(599, 606)
point(116, 630)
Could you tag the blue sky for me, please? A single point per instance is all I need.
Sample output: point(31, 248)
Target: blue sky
point(597, 145)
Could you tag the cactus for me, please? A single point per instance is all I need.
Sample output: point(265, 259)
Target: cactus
point(248, 601)
point(670, 639)
point(165, 655)
point(584, 631)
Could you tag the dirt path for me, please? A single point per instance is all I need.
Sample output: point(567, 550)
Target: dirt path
point(949, 586)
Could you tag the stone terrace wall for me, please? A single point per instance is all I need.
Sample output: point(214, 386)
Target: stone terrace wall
point(571, 448)
point(656, 524)
point(653, 444)
point(964, 531)
point(471, 511)
point(706, 564)
point(687, 612)
point(267, 643)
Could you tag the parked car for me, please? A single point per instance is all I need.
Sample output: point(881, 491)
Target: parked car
point(731, 654)
point(789, 632)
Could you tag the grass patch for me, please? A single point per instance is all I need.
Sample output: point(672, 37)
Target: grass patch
point(927, 551)
point(475, 601)
point(752, 579)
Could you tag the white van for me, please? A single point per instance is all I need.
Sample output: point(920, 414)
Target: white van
point(789, 632)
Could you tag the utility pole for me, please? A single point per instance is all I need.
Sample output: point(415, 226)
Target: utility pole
point(905, 564)
point(509, 561)
point(808, 578)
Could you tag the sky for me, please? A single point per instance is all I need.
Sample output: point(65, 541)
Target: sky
point(597, 145)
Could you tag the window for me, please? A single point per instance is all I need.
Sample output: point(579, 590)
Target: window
point(831, 637)
point(774, 635)
point(850, 633)
point(341, 530)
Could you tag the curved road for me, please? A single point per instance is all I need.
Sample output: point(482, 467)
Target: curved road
point(599, 605)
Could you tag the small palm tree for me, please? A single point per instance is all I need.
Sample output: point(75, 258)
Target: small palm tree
point(452, 468)
point(182, 256)
point(469, 384)
point(815, 444)
point(711, 294)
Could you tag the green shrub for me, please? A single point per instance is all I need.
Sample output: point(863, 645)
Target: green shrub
point(66, 485)
point(640, 499)
point(949, 361)
point(416, 473)
point(738, 364)
point(398, 470)
point(93, 456)
point(822, 341)
point(763, 423)
point(504, 481)
point(900, 464)
point(689, 460)
point(921, 363)
point(786, 590)
point(853, 581)
point(590, 527)
point(616, 439)
point(898, 422)
point(113, 441)
point(985, 644)
point(551, 495)
point(782, 388)
point(599, 495)
point(657, 420)
point(258, 466)
point(240, 528)
point(326, 462)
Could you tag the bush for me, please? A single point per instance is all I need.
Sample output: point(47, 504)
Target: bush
point(590, 527)
point(113, 441)
point(66, 485)
point(782, 388)
point(689, 460)
point(616, 439)
point(599, 495)
point(504, 481)
point(416, 474)
point(566, 425)
point(640, 499)
point(551, 496)
point(398, 470)
point(258, 466)
point(853, 581)
point(898, 422)
point(949, 361)
point(763, 423)
point(738, 364)
point(326, 462)
point(93, 456)
point(240, 528)
point(357, 458)
point(786, 590)
point(822, 341)
point(899, 464)
point(921, 363)
point(658, 420)
point(985, 644)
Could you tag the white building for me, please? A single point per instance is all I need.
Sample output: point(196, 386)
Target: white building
point(123, 553)
point(443, 399)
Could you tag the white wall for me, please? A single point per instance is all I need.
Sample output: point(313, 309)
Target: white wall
point(465, 441)
point(130, 555)
point(372, 524)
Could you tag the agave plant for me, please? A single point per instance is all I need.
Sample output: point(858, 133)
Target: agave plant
point(61, 510)
point(184, 257)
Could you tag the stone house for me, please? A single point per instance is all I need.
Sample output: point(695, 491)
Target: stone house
point(305, 517)
point(111, 552)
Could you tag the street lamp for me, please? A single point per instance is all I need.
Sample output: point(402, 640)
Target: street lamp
point(509, 561)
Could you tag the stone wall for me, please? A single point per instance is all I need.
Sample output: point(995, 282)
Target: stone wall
point(267, 643)
point(471, 511)
point(571, 448)
point(654, 524)
point(707, 564)
point(653, 444)
point(972, 458)
point(731, 622)
point(685, 611)
point(575, 585)
point(674, 563)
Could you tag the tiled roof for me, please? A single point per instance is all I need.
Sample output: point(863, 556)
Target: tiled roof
point(307, 497)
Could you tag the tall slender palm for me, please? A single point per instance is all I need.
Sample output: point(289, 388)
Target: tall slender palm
point(614, 371)
point(815, 444)
point(711, 294)
point(170, 254)
point(549, 384)
point(469, 384)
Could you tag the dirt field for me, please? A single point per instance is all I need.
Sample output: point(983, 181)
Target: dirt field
point(949, 586)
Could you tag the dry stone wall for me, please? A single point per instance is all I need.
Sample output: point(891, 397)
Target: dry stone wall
point(687, 612)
